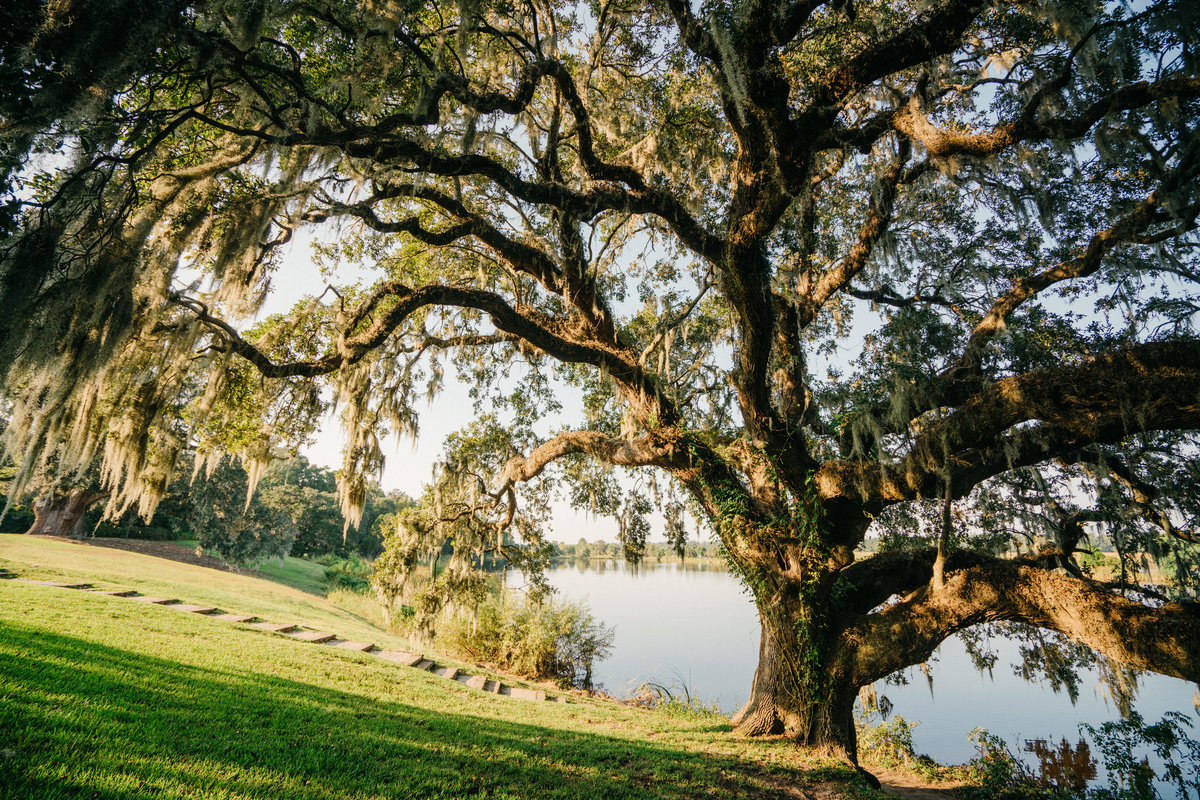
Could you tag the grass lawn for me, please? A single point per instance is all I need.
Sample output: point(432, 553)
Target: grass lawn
point(307, 576)
point(103, 697)
point(109, 568)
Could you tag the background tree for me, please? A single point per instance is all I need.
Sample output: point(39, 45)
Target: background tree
point(237, 530)
point(682, 212)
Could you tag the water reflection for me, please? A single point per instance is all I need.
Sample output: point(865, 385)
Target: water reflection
point(1062, 765)
point(693, 624)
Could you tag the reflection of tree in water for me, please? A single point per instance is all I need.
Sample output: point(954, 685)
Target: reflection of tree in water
point(1063, 765)
point(1053, 660)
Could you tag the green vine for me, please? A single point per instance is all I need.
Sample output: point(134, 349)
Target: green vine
point(810, 628)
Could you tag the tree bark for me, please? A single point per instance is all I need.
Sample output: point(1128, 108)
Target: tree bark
point(797, 693)
point(57, 514)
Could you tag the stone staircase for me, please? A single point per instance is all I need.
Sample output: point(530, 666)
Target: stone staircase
point(401, 658)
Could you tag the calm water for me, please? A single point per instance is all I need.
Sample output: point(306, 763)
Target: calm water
point(693, 624)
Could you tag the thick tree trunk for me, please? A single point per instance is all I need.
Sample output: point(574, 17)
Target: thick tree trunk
point(57, 514)
point(795, 693)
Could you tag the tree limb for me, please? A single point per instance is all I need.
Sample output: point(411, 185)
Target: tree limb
point(1075, 404)
point(1165, 640)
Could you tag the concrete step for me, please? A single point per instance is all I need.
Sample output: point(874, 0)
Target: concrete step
point(273, 627)
point(115, 592)
point(315, 637)
point(426, 665)
point(401, 657)
point(362, 647)
point(495, 687)
point(158, 601)
point(235, 617)
point(447, 672)
point(527, 694)
point(195, 609)
point(474, 681)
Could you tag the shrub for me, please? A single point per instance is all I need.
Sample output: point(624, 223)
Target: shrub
point(555, 640)
point(997, 774)
point(353, 574)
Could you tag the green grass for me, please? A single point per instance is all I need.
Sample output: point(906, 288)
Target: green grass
point(106, 698)
point(103, 697)
point(110, 568)
point(298, 573)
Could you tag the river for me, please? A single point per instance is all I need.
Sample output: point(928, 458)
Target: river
point(693, 625)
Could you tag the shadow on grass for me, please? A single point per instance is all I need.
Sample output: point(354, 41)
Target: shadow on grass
point(78, 719)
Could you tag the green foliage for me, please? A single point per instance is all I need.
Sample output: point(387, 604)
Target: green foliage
point(551, 639)
point(676, 699)
point(685, 212)
point(353, 574)
point(239, 530)
point(997, 774)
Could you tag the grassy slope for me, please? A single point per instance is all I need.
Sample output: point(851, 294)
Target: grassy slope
point(298, 573)
point(274, 602)
point(107, 698)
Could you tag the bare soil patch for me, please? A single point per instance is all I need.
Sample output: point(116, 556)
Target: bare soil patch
point(148, 547)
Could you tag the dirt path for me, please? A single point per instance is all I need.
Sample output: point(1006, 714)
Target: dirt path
point(148, 547)
point(902, 784)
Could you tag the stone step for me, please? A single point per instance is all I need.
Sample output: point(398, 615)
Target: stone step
point(526, 694)
point(60, 584)
point(273, 627)
point(195, 609)
point(401, 657)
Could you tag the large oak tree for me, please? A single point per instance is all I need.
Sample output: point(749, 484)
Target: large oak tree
point(682, 210)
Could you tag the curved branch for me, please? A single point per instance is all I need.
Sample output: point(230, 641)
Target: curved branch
point(1125, 230)
point(879, 216)
point(944, 142)
point(1077, 405)
point(363, 335)
point(643, 452)
point(1165, 640)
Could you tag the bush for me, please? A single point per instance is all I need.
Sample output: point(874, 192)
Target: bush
point(353, 574)
point(997, 774)
point(548, 640)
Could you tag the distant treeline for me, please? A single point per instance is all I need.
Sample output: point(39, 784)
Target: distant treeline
point(655, 551)
point(295, 510)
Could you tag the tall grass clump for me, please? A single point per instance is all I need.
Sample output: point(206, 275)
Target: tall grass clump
point(553, 639)
point(676, 699)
